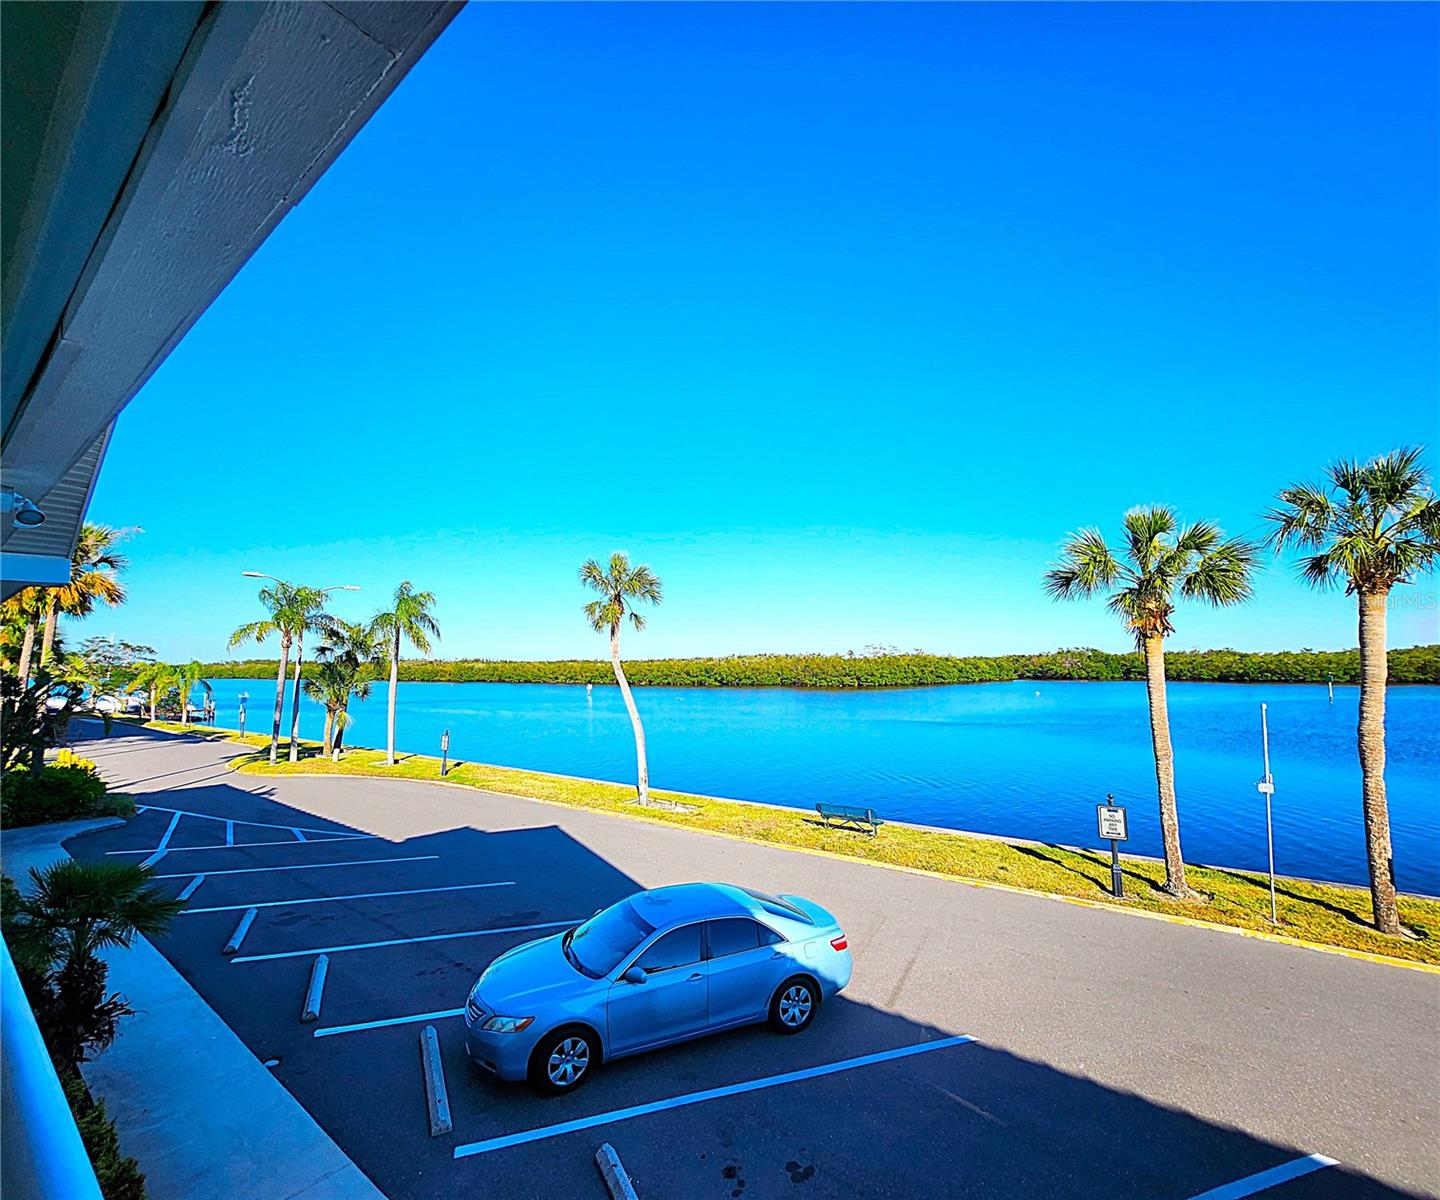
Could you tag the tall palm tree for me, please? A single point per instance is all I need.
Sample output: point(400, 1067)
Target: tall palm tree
point(154, 679)
point(95, 565)
point(620, 586)
point(25, 610)
point(311, 605)
point(292, 609)
point(185, 679)
point(352, 648)
point(409, 619)
point(1370, 526)
point(1164, 562)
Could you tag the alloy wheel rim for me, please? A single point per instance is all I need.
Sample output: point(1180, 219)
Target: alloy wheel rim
point(795, 1005)
point(568, 1061)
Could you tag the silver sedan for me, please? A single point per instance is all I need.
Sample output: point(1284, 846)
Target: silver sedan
point(658, 967)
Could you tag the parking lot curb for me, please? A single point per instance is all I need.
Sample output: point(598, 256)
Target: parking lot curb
point(179, 1083)
point(617, 1182)
point(1173, 918)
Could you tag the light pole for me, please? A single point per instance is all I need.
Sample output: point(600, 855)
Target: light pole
point(299, 655)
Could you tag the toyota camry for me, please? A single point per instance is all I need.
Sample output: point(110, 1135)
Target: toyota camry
point(658, 967)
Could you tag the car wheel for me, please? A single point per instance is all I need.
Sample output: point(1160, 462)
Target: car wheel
point(793, 1006)
point(564, 1060)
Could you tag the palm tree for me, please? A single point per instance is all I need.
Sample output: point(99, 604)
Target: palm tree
point(409, 618)
point(620, 586)
point(1161, 560)
point(292, 610)
point(25, 610)
point(352, 649)
point(186, 678)
point(94, 567)
point(310, 605)
point(1371, 526)
point(154, 679)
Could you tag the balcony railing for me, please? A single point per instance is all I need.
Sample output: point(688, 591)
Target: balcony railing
point(43, 1156)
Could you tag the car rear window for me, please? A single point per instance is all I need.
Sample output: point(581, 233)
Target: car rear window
point(778, 907)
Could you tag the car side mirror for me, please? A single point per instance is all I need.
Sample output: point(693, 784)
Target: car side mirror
point(634, 975)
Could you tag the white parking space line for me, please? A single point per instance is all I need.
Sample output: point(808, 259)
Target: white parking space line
point(454, 887)
point(1275, 1176)
point(191, 887)
point(431, 937)
point(364, 837)
point(331, 1030)
point(299, 834)
point(357, 862)
point(159, 851)
point(185, 812)
point(229, 833)
point(734, 1089)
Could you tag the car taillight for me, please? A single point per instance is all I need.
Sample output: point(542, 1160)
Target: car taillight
point(839, 943)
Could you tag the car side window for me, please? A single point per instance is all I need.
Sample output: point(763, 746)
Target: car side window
point(768, 937)
point(733, 935)
point(678, 948)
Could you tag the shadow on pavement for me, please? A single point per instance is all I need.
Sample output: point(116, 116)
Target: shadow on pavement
point(970, 1120)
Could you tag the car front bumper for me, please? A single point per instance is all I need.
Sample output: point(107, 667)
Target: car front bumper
point(504, 1055)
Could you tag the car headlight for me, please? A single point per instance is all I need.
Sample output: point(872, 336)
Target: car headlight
point(507, 1024)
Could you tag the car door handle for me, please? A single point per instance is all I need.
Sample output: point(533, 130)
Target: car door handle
point(694, 977)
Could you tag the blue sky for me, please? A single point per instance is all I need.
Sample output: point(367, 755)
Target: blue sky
point(840, 316)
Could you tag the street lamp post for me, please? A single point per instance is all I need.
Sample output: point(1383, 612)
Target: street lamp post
point(299, 655)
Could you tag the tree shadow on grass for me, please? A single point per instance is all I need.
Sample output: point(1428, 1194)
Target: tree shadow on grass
point(1263, 885)
point(1099, 884)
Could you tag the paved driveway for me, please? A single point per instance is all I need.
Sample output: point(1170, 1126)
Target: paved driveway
point(991, 1044)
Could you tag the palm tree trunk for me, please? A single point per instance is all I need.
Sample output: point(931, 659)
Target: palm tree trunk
point(295, 699)
point(339, 733)
point(279, 698)
point(1370, 736)
point(642, 768)
point(52, 616)
point(1164, 767)
point(394, 686)
point(27, 652)
point(329, 724)
point(154, 696)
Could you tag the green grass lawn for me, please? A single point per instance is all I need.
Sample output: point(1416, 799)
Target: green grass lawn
point(1312, 912)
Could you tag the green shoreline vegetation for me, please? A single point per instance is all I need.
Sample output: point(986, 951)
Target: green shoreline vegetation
point(1322, 913)
point(875, 669)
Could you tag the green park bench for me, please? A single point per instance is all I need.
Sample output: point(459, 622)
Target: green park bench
point(846, 816)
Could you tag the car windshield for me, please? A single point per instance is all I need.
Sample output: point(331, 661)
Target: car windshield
point(597, 946)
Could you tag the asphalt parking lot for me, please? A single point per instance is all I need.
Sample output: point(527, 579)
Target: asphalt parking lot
point(875, 1099)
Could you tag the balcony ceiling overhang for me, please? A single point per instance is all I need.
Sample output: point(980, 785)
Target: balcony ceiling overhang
point(149, 150)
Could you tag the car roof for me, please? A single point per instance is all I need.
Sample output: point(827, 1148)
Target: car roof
point(664, 906)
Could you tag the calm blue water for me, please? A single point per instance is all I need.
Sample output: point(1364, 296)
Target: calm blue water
point(1022, 759)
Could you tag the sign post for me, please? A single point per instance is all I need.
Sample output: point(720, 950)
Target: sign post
point(1330, 682)
point(1110, 817)
point(1267, 789)
point(444, 753)
point(244, 696)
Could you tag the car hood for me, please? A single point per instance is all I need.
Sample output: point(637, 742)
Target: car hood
point(532, 974)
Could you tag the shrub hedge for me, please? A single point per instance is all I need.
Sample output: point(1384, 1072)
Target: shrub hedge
point(58, 792)
point(1417, 664)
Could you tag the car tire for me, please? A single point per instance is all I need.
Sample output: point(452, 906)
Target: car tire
point(564, 1060)
point(794, 1005)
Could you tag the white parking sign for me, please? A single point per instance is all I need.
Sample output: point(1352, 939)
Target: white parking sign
point(1111, 819)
